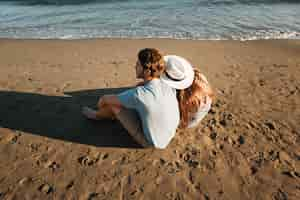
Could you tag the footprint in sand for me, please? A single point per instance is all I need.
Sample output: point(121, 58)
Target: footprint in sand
point(227, 120)
point(104, 156)
point(158, 162)
point(280, 194)
point(175, 196)
point(262, 82)
point(213, 135)
point(192, 177)
point(70, 185)
point(292, 174)
point(241, 140)
point(285, 159)
point(91, 160)
point(250, 125)
point(13, 138)
point(25, 181)
point(191, 159)
point(86, 161)
point(270, 125)
point(173, 167)
point(212, 111)
point(52, 165)
point(92, 196)
point(45, 188)
point(280, 66)
point(257, 161)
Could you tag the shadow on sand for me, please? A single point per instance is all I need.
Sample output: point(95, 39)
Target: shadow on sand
point(60, 117)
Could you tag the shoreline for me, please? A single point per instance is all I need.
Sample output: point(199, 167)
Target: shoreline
point(154, 38)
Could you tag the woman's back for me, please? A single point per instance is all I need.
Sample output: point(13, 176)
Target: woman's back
point(195, 101)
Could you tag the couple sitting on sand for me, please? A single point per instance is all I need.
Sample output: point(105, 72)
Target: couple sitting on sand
point(172, 94)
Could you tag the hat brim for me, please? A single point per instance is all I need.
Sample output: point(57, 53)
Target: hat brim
point(189, 74)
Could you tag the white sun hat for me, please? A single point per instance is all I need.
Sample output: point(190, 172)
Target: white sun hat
point(179, 73)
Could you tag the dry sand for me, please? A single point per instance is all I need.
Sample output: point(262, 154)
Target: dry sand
point(246, 148)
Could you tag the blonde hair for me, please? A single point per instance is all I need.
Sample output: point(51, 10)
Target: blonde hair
point(191, 98)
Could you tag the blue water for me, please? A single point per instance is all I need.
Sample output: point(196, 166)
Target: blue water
point(181, 19)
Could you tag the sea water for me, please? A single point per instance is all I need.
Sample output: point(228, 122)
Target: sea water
point(180, 19)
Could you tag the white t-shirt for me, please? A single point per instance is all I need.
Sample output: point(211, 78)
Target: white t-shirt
point(158, 109)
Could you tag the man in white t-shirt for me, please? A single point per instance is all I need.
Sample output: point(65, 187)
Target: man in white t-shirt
point(149, 112)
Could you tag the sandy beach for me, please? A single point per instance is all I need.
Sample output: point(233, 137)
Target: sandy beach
point(246, 148)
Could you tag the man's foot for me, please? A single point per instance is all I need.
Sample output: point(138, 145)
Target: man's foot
point(89, 113)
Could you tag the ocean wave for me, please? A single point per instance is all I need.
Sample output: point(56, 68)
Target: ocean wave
point(156, 19)
point(200, 2)
point(52, 33)
point(212, 3)
point(263, 34)
point(59, 2)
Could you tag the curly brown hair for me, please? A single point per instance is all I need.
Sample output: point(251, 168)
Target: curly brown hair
point(152, 62)
point(191, 98)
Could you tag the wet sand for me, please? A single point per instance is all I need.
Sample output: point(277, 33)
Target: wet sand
point(246, 148)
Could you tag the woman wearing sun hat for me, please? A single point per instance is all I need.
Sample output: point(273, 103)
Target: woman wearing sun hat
point(194, 93)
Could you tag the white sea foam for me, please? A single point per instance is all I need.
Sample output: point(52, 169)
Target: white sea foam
point(259, 35)
point(271, 34)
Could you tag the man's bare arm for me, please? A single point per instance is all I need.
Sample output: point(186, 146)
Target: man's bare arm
point(110, 100)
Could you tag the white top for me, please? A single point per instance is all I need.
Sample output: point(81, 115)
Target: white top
point(158, 109)
point(201, 113)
